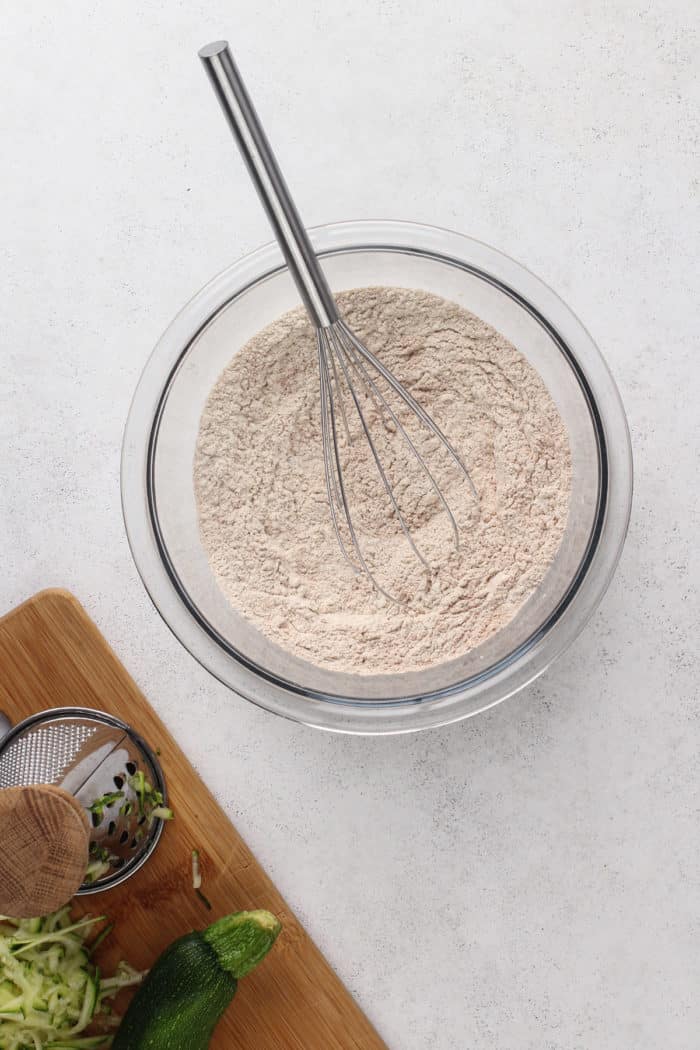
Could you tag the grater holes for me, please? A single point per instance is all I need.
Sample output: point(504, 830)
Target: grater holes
point(43, 754)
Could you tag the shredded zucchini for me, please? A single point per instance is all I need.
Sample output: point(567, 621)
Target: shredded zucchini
point(197, 880)
point(146, 802)
point(150, 802)
point(50, 992)
point(196, 871)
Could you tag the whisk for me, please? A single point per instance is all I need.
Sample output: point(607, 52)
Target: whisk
point(351, 376)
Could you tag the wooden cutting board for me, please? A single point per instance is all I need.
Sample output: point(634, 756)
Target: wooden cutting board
point(52, 655)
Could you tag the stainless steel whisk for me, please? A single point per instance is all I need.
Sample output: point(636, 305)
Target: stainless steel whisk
point(344, 361)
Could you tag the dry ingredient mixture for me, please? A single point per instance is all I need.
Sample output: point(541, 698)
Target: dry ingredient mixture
point(263, 510)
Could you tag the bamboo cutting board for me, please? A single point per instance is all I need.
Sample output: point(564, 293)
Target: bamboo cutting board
point(52, 655)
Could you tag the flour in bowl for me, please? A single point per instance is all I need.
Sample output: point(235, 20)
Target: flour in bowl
point(263, 510)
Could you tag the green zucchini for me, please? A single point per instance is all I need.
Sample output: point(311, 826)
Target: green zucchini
point(181, 1001)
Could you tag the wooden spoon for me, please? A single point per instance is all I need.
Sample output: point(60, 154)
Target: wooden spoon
point(44, 843)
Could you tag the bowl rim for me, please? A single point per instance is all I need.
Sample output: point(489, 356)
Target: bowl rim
point(481, 691)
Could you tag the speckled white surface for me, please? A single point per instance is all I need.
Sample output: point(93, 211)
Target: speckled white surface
point(529, 879)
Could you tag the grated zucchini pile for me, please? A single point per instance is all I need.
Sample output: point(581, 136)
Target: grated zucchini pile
point(50, 991)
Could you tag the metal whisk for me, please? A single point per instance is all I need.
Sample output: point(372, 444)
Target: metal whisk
point(351, 376)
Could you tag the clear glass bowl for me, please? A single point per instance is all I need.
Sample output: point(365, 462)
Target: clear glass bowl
point(159, 502)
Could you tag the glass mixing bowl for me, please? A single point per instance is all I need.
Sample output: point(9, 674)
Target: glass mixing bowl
point(159, 502)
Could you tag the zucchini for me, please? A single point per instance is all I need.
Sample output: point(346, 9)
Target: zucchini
point(181, 1001)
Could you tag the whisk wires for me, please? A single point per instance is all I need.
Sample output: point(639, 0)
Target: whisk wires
point(349, 371)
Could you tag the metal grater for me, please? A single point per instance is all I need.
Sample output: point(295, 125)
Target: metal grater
point(89, 754)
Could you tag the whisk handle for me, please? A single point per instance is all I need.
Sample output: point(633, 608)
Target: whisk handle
point(269, 183)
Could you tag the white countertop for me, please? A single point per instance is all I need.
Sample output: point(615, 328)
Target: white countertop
point(529, 878)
